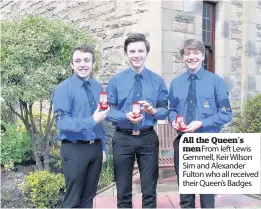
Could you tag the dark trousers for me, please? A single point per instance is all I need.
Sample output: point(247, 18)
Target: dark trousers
point(188, 200)
point(145, 148)
point(82, 165)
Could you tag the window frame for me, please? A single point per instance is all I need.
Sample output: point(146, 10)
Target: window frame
point(211, 45)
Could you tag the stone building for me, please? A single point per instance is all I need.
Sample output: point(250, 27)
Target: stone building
point(230, 29)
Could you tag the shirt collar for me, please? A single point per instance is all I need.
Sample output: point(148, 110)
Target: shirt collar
point(198, 74)
point(132, 73)
point(79, 81)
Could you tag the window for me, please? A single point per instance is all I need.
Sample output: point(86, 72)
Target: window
point(208, 34)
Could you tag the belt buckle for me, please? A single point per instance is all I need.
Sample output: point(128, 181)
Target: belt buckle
point(135, 133)
point(92, 141)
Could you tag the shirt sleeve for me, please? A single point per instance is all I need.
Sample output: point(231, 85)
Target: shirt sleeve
point(62, 105)
point(114, 115)
point(224, 111)
point(162, 102)
point(173, 103)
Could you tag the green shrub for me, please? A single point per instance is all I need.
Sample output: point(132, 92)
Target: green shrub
point(106, 176)
point(15, 146)
point(42, 188)
point(250, 120)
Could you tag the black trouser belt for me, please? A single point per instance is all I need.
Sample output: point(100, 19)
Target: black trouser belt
point(81, 141)
point(131, 132)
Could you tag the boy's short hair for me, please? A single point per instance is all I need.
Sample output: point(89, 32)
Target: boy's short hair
point(136, 37)
point(83, 48)
point(193, 44)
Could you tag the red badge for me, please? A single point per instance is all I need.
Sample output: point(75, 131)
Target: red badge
point(180, 122)
point(136, 109)
point(103, 101)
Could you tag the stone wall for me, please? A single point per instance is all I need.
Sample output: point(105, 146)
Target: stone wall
point(228, 51)
point(238, 49)
point(253, 48)
point(180, 20)
point(109, 21)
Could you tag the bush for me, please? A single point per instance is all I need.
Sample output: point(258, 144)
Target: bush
point(42, 188)
point(250, 120)
point(106, 176)
point(15, 146)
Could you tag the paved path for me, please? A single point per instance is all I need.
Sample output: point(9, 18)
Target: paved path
point(171, 200)
point(168, 197)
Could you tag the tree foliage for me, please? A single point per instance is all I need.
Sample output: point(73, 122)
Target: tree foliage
point(35, 55)
point(250, 120)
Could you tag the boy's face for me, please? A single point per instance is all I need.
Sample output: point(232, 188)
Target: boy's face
point(193, 58)
point(82, 63)
point(137, 54)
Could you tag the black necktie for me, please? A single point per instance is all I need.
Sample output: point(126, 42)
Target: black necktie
point(191, 111)
point(93, 106)
point(137, 95)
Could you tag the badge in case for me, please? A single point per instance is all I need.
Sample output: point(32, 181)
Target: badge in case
point(103, 101)
point(180, 122)
point(136, 109)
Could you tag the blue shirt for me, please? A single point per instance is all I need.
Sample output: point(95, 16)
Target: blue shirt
point(120, 95)
point(212, 100)
point(73, 114)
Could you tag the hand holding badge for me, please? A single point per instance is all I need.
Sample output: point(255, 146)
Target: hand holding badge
point(181, 124)
point(103, 101)
point(147, 107)
point(136, 110)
